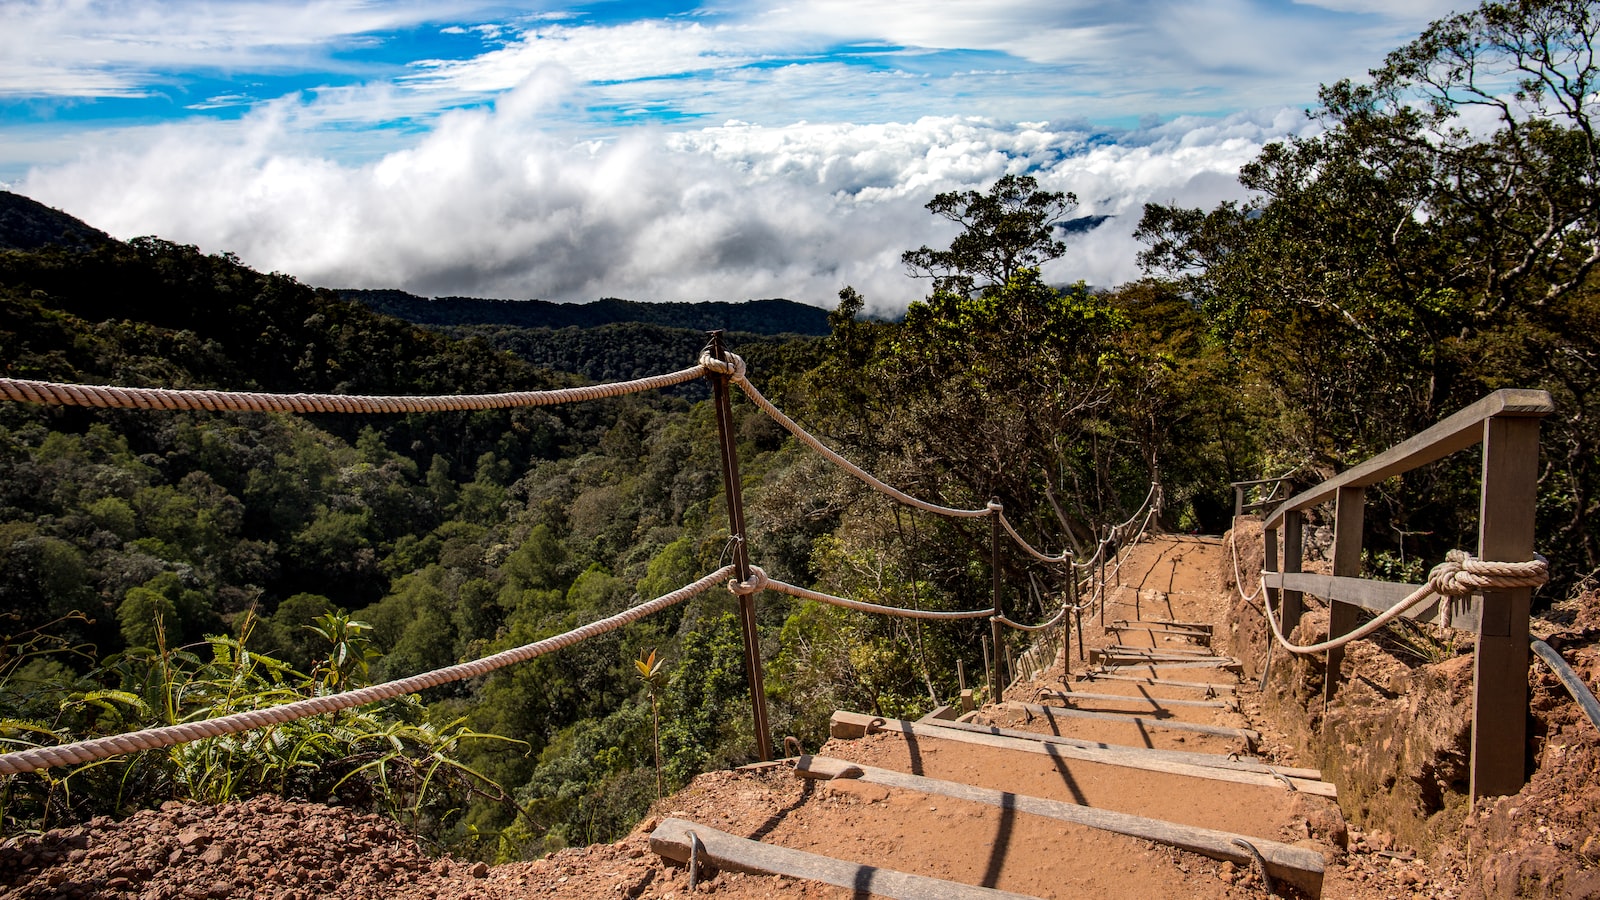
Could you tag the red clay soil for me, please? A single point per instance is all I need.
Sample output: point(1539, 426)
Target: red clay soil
point(276, 849)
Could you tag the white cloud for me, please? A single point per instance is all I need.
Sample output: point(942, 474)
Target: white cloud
point(489, 204)
point(644, 49)
point(113, 48)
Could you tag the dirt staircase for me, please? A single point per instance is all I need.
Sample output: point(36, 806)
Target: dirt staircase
point(1127, 770)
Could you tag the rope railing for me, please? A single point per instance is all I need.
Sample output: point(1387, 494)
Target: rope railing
point(168, 735)
point(118, 397)
point(1460, 575)
point(759, 580)
point(734, 367)
point(114, 397)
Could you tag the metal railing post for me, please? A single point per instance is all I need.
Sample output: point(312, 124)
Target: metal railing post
point(1505, 534)
point(741, 558)
point(994, 620)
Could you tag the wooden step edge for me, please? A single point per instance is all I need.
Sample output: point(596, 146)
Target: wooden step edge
point(1188, 652)
point(1298, 866)
point(1133, 662)
point(1214, 687)
point(1249, 736)
point(1127, 758)
point(1206, 627)
point(1074, 696)
point(671, 840)
point(1199, 637)
point(1193, 757)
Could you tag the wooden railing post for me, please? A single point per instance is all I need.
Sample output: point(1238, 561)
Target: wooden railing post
point(1292, 602)
point(1505, 534)
point(741, 557)
point(1269, 563)
point(1349, 518)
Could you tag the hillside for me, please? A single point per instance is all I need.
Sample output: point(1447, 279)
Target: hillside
point(26, 224)
point(755, 316)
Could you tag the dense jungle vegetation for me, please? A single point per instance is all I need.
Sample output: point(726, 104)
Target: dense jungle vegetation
point(160, 566)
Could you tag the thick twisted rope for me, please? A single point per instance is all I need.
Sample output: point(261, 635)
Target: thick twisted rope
point(760, 581)
point(734, 368)
point(1459, 575)
point(111, 397)
point(166, 736)
point(1051, 623)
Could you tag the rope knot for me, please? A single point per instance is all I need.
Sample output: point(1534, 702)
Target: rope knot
point(1461, 573)
point(758, 582)
point(995, 507)
point(733, 366)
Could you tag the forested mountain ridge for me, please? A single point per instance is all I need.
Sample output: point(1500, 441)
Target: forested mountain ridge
point(26, 224)
point(754, 316)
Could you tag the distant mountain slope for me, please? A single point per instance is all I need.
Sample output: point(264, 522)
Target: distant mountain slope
point(754, 316)
point(26, 224)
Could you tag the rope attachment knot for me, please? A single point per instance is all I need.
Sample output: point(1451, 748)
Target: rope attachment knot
point(1461, 573)
point(733, 366)
point(758, 582)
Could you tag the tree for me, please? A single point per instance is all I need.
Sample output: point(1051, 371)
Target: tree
point(1003, 232)
point(1438, 239)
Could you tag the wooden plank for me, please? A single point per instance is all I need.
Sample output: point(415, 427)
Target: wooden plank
point(1298, 866)
point(1160, 662)
point(1377, 596)
point(1131, 758)
point(1207, 759)
point(1456, 432)
point(1058, 713)
point(671, 840)
point(1074, 696)
point(1166, 623)
point(1207, 686)
point(847, 726)
point(1201, 637)
point(1160, 651)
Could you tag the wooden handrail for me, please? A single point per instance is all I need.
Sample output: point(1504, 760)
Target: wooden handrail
point(1506, 424)
point(1457, 432)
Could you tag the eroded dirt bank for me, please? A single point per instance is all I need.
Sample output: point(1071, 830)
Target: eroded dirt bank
point(1396, 741)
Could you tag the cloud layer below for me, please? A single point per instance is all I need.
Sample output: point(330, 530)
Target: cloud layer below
point(488, 203)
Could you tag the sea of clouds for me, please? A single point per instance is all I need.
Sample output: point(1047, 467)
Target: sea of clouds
point(489, 202)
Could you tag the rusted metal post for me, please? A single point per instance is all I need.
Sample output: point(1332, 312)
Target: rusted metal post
point(722, 391)
point(1505, 534)
point(1349, 519)
point(994, 618)
point(1105, 542)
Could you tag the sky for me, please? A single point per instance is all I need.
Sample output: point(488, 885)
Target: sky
point(654, 150)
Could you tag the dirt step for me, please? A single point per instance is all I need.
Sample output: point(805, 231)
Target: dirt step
point(1179, 707)
point(974, 842)
point(1111, 680)
point(1212, 767)
point(1145, 637)
point(1299, 866)
point(1124, 730)
point(1228, 761)
point(1265, 811)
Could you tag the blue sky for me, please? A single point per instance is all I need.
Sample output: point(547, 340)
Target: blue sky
point(659, 150)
